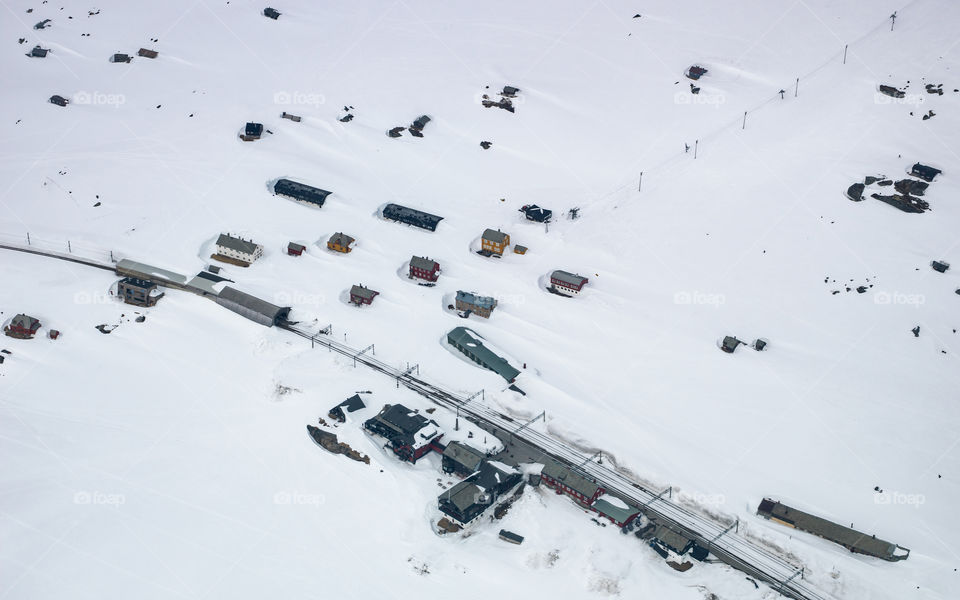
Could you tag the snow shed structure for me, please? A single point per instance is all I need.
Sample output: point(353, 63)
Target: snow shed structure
point(410, 216)
point(251, 307)
point(470, 344)
point(851, 539)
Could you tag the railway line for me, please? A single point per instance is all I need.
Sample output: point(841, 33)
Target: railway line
point(724, 543)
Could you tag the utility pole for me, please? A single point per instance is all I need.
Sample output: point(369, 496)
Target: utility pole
point(796, 90)
point(28, 238)
point(893, 19)
point(69, 249)
point(744, 120)
point(696, 144)
point(641, 181)
point(845, 53)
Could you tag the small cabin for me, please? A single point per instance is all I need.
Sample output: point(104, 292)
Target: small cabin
point(940, 266)
point(38, 52)
point(271, 13)
point(924, 172)
point(509, 91)
point(695, 72)
point(290, 117)
point(147, 53)
point(534, 213)
point(22, 327)
point(509, 536)
point(253, 130)
point(340, 242)
point(495, 241)
point(53, 334)
point(419, 123)
point(729, 344)
point(424, 268)
point(360, 295)
point(294, 249)
point(889, 90)
point(120, 58)
point(59, 100)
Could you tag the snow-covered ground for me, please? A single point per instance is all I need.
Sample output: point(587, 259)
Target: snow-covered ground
point(162, 460)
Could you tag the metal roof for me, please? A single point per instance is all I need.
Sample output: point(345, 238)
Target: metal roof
point(353, 403)
point(567, 477)
point(470, 343)
point(481, 301)
point(672, 539)
point(463, 495)
point(341, 239)
point(300, 191)
point(465, 455)
point(25, 321)
point(420, 262)
point(570, 278)
point(240, 245)
point(494, 235)
point(251, 307)
point(145, 271)
point(618, 514)
point(362, 292)
point(411, 216)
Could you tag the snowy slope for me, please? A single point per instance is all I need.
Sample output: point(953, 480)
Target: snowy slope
point(179, 416)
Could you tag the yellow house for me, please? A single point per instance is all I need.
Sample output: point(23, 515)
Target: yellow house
point(340, 242)
point(495, 241)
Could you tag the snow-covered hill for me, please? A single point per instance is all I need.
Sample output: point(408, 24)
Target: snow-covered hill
point(164, 460)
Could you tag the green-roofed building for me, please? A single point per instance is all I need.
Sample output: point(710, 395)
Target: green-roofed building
point(471, 345)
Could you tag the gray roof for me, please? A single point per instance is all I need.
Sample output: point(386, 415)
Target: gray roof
point(567, 277)
point(145, 271)
point(240, 245)
point(608, 509)
point(669, 537)
point(462, 495)
point(473, 347)
point(362, 292)
point(494, 235)
point(845, 536)
point(464, 454)
point(251, 307)
point(341, 239)
point(296, 246)
point(481, 301)
point(424, 263)
point(25, 321)
point(353, 403)
point(567, 477)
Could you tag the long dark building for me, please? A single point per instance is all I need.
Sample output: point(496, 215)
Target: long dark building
point(251, 307)
point(300, 192)
point(851, 539)
point(411, 216)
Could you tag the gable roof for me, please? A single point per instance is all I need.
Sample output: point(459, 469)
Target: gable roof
point(420, 262)
point(353, 403)
point(670, 538)
point(481, 301)
point(25, 321)
point(608, 507)
point(467, 456)
point(494, 235)
point(473, 346)
point(569, 478)
point(240, 245)
point(341, 239)
point(362, 292)
point(251, 307)
point(570, 278)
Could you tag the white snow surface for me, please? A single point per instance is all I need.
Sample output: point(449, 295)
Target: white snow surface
point(162, 461)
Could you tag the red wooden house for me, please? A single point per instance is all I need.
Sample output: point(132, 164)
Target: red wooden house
point(565, 481)
point(361, 295)
point(22, 326)
point(294, 249)
point(424, 268)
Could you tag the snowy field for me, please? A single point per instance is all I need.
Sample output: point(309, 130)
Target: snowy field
point(170, 458)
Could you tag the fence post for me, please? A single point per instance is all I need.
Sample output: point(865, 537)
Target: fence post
point(28, 238)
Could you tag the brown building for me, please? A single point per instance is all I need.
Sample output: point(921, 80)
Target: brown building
point(139, 292)
point(495, 241)
point(360, 295)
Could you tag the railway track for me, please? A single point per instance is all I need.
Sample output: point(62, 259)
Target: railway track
point(730, 547)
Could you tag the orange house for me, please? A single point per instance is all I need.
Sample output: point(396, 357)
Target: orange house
point(495, 241)
point(340, 242)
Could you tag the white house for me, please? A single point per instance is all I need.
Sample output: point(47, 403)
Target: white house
point(238, 248)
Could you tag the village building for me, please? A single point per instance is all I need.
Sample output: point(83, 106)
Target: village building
point(416, 128)
point(53, 334)
point(461, 459)
point(851, 539)
point(59, 100)
point(139, 292)
point(518, 249)
point(424, 268)
point(494, 241)
point(252, 132)
point(468, 499)
point(409, 434)
point(147, 53)
point(567, 284)
point(251, 307)
point(42, 24)
point(729, 344)
point(695, 72)
point(351, 404)
point(509, 536)
point(23, 327)
point(360, 295)
point(207, 283)
point(565, 481)
point(471, 303)
point(295, 249)
point(534, 213)
point(667, 538)
point(340, 242)
point(238, 249)
point(271, 13)
point(616, 510)
point(924, 172)
point(300, 192)
point(120, 58)
point(940, 266)
point(410, 216)
point(470, 344)
point(509, 91)
point(290, 117)
point(38, 52)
